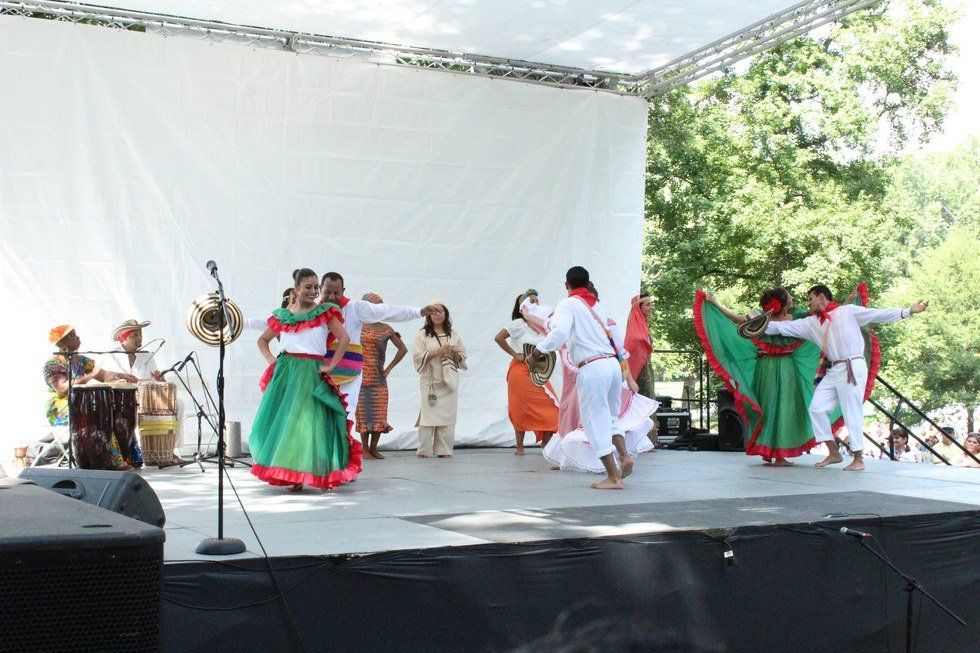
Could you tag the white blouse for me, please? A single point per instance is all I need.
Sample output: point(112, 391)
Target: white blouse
point(308, 341)
point(520, 333)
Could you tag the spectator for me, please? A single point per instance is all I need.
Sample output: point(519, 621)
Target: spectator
point(902, 450)
point(946, 448)
point(972, 444)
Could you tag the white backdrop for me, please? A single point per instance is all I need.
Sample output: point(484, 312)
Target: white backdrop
point(127, 160)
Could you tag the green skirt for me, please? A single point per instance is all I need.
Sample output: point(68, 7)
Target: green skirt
point(301, 434)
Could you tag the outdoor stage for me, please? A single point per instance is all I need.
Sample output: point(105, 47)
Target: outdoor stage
point(489, 551)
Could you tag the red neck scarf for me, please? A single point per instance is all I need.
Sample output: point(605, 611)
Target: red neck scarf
point(343, 301)
point(824, 315)
point(584, 294)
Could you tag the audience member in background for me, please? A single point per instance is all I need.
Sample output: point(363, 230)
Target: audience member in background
point(372, 409)
point(439, 355)
point(902, 452)
point(972, 444)
point(945, 447)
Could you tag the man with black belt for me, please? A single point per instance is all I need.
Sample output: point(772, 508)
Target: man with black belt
point(837, 331)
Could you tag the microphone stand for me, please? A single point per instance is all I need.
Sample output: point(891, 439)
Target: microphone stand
point(221, 545)
point(911, 585)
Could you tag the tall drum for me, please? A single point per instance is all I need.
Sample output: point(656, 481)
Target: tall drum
point(100, 412)
point(158, 421)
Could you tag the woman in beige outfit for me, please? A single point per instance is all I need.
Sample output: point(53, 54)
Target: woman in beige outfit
point(439, 355)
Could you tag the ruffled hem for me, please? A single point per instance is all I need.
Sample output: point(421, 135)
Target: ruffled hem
point(769, 453)
point(282, 320)
point(638, 410)
point(374, 428)
point(573, 451)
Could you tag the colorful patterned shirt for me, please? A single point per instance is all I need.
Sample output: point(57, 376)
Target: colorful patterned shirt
point(56, 407)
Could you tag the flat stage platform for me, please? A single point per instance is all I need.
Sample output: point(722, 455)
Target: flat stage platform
point(493, 552)
point(490, 495)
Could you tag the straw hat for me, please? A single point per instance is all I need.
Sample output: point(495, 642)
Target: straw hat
point(128, 325)
point(754, 326)
point(544, 368)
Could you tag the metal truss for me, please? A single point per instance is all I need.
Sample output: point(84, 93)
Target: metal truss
point(778, 28)
point(786, 25)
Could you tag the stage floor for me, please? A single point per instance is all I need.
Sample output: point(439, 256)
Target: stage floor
point(490, 495)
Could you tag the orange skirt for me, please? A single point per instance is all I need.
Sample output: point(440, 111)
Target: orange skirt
point(530, 407)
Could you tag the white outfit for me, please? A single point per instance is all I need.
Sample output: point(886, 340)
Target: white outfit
point(574, 451)
point(520, 333)
point(312, 341)
point(357, 313)
point(840, 340)
point(142, 368)
point(599, 382)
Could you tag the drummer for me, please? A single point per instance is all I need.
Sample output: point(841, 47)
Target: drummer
point(83, 370)
point(126, 359)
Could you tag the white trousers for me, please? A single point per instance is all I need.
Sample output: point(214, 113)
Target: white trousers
point(436, 440)
point(599, 387)
point(834, 390)
point(353, 392)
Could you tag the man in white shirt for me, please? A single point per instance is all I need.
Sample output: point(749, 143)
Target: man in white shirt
point(357, 313)
point(128, 338)
point(579, 320)
point(836, 329)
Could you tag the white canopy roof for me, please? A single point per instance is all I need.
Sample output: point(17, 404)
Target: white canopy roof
point(627, 36)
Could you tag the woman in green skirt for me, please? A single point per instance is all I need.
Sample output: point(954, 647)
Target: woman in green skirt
point(771, 376)
point(301, 435)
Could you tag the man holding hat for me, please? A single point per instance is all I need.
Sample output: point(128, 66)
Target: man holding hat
point(128, 359)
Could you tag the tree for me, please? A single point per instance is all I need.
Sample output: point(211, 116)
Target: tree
point(935, 358)
point(770, 176)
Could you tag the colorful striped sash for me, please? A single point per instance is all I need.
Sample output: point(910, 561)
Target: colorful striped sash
point(350, 365)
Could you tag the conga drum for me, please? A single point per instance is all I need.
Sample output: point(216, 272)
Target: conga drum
point(100, 411)
point(158, 424)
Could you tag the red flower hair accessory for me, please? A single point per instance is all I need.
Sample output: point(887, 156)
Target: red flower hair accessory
point(773, 305)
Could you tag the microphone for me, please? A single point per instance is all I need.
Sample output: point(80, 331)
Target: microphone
point(844, 530)
point(212, 268)
point(176, 367)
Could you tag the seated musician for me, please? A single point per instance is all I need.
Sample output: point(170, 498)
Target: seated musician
point(83, 370)
point(128, 338)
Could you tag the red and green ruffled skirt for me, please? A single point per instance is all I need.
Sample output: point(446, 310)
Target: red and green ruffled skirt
point(301, 433)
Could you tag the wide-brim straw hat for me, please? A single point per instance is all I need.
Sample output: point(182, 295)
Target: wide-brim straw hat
point(128, 325)
point(754, 327)
point(545, 367)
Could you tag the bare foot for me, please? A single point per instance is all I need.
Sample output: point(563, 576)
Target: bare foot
point(520, 452)
point(607, 484)
point(782, 462)
point(554, 468)
point(376, 455)
point(831, 459)
point(855, 466)
point(369, 454)
point(420, 455)
point(626, 465)
point(298, 487)
point(445, 455)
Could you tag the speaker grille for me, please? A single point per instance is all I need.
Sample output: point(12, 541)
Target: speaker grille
point(731, 430)
point(107, 601)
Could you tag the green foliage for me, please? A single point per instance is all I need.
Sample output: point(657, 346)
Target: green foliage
point(773, 175)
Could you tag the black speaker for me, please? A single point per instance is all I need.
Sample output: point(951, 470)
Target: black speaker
point(731, 426)
point(672, 423)
point(126, 493)
point(75, 577)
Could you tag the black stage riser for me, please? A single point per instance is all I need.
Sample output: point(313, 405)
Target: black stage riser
point(793, 588)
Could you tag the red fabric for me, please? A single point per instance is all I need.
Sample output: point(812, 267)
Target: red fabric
point(267, 377)
point(125, 334)
point(584, 295)
point(824, 315)
point(637, 342)
point(343, 301)
point(323, 318)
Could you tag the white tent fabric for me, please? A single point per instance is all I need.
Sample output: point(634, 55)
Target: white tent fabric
point(627, 36)
point(127, 160)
